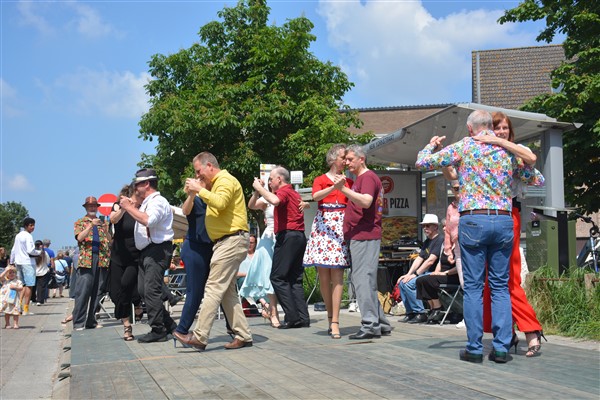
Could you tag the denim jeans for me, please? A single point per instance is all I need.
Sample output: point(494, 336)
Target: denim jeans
point(408, 292)
point(486, 239)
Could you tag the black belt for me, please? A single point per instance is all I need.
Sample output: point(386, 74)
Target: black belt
point(484, 212)
point(238, 233)
point(152, 244)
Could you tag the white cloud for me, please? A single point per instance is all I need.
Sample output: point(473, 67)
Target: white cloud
point(50, 17)
point(89, 23)
point(113, 94)
point(30, 16)
point(397, 53)
point(8, 98)
point(19, 183)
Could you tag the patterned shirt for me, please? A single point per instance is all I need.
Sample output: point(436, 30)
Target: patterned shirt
point(485, 172)
point(85, 246)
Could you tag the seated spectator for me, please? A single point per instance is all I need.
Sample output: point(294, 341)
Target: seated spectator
point(428, 286)
point(422, 265)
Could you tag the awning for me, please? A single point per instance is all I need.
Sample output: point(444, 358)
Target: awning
point(402, 146)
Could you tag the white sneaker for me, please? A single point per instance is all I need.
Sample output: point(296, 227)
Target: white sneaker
point(38, 304)
point(353, 307)
point(461, 324)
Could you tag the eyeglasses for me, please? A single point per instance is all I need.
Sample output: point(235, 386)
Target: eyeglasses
point(428, 225)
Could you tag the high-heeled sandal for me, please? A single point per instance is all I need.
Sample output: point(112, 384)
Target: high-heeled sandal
point(329, 318)
point(128, 333)
point(266, 312)
point(335, 335)
point(534, 351)
point(514, 342)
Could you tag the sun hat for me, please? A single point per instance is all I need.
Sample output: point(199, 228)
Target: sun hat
point(91, 200)
point(430, 219)
point(145, 174)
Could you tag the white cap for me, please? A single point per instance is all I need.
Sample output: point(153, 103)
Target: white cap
point(430, 219)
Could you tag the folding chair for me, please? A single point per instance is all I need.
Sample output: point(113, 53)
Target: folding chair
point(103, 309)
point(452, 295)
point(177, 283)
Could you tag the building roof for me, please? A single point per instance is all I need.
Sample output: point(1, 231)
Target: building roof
point(508, 78)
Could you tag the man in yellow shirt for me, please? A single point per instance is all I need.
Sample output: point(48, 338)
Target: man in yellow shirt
point(227, 227)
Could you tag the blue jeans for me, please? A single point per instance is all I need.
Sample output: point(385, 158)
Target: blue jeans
point(196, 260)
point(408, 292)
point(486, 239)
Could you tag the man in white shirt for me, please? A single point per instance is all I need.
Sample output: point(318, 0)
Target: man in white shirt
point(22, 251)
point(153, 236)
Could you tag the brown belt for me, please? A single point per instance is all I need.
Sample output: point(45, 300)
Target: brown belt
point(484, 212)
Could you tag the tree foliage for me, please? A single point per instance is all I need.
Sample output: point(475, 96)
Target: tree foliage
point(11, 220)
point(577, 85)
point(249, 93)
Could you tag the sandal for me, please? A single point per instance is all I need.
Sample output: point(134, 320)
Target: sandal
point(266, 311)
point(67, 320)
point(128, 333)
point(335, 335)
point(329, 318)
point(534, 351)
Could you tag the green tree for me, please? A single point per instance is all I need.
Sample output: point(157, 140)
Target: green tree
point(11, 220)
point(249, 93)
point(577, 86)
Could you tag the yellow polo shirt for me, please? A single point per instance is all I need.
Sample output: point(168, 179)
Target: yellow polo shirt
point(226, 206)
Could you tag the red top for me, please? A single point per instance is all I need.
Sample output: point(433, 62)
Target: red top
point(365, 223)
point(287, 213)
point(336, 197)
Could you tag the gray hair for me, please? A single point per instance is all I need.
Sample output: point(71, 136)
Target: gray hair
point(284, 173)
point(479, 120)
point(357, 150)
point(332, 153)
point(206, 157)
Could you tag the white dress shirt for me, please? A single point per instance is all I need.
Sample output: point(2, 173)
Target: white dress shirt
point(160, 222)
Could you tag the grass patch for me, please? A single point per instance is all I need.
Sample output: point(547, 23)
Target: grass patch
point(562, 304)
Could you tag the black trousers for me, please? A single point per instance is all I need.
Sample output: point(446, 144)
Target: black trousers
point(154, 261)
point(41, 288)
point(287, 273)
point(123, 282)
point(428, 285)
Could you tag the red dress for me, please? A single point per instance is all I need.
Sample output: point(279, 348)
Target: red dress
point(522, 312)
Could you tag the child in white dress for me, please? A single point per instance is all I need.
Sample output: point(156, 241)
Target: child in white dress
point(10, 295)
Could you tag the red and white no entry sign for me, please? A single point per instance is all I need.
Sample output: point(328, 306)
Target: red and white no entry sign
point(106, 202)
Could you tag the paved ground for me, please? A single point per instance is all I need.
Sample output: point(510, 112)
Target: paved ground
point(417, 361)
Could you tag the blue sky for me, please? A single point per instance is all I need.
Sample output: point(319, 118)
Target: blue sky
point(72, 79)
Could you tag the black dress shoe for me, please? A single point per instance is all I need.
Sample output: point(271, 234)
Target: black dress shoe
point(174, 300)
point(418, 319)
point(154, 336)
point(435, 317)
point(499, 357)
point(294, 325)
point(360, 335)
point(408, 317)
point(470, 357)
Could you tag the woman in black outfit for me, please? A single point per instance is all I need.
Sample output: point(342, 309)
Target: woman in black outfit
point(124, 258)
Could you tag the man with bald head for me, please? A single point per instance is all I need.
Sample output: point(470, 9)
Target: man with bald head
point(287, 271)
